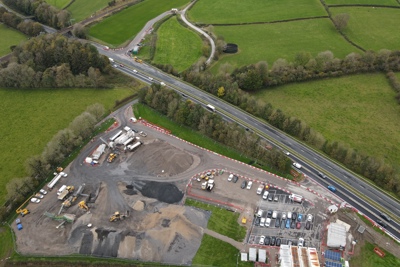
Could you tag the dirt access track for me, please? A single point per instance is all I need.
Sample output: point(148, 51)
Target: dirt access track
point(149, 186)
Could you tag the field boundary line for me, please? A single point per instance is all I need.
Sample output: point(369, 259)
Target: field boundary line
point(265, 22)
point(364, 5)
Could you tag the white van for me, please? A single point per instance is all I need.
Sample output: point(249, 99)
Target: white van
point(260, 213)
point(61, 189)
point(265, 196)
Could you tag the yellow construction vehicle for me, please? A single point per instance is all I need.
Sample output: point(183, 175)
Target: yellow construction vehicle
point(111, 157)
point(138, 60)
point(117, 216)
point(22, 211)
point(82, 205)
point(60, 169)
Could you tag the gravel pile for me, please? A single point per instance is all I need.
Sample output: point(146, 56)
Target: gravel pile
point(165, 192)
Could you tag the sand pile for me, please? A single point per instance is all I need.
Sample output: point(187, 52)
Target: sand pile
point(160, 159)
point(165, 192)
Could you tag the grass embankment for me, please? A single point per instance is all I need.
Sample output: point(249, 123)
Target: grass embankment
point(59, 3)
point(363, 2)
point(382, 26)
point(221, 221)
point(360, 110)
point(214, 252)
point(269, 42)
point(238, 11)
point(177, 45)
point(125, 25)
point(31, 117)
point(9, 37)
point(81, 9)
point(368, 258)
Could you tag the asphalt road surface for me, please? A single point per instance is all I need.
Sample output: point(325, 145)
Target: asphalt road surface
point(298, 150)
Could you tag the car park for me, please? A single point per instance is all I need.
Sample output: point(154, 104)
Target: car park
point(298, 225)
point(35, 200)
point(384, 216)
point(262, 222)
point(273, 241)
point(249, 184)
point(235, 179)
point(332, 188)
point(38, 195)
point(244, 183)
point(297, 165)
point(268, 222)
point(283, 215)
point(267, 240)
point(262, 239)
point(382, 223)
point(42, 191)
point(294, 216)
point(277, 223)
point(299, 217)
point(230, 177)
point(265, 195)
point(288, 223)
point(278, 242)
point(274, 214)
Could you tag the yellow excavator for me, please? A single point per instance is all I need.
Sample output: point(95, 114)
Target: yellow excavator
point(22, 211)
point(82, 205)
point(137, 60)
point(117, 216)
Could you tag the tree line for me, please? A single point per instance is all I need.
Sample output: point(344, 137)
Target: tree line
point(39, 167)
point(42, 12)
point(54, 61)
point(187, 113)
point(253, 77)
point(395, 83)
point(28, 27)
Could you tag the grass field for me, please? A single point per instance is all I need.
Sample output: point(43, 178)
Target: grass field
point(29, 121)
point(382, 26)
point(81, 9)
point(8, 38)
point(177, 45)
point(6, 242)
point(117, 29)
point(58, 3)
point(368, 258)
point(362, 2)
point(237, 11)
point(214, 252)
point(221, 221)
point(269, 42)
point(360, 110)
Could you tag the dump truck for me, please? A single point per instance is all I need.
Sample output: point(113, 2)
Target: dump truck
point(138, 60)
point(66, 192)
point(117, 216)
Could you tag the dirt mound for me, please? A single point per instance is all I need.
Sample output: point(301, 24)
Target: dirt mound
point(165, 192)
point(160, 159)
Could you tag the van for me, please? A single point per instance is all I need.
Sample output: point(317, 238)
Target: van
point(61, 189)
point(259, 213)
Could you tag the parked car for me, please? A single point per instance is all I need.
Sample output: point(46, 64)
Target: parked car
point(273, 241)
point(289, 242)
point(288, 223)
point(249, 184)
point(297, 165)
point(301, 242)
point(262, 222)
point(289, 215)
point(294, 216)
point(293, 224)
point(262, 240)
point(265, 195)
point(382, 223)
point(244, 183)
point(269, 214)
point(260, 213)
point(299, 217)
point(283, 222)
point(35, 200)
point(235, 179)
point(309, 218)
point(276, 198)
point(268, 222)
point(278, 242)
point(283, 215)
point(384, 216)
point(42, 191)
point(274, 214)
point(308, 225)
point(230, 177)
point(298, 225)
point(270, 197)
point(38, 195)
point(257, 221)
point(267, 240)
point(277, 223)
point(332, 188)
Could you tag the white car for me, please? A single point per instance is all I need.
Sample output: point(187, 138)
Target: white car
point(38, 195)
point(309, 218)
point(265, 195)
point(249, 184)
point(287, 153)
point(230, 177)
point(260, 189)
point(267, 222)
point(262, 222)
point(262, 240)
point(289, 215)
point(301, 242)
point(297, 165)
point(274, 214)
point(42, 191)
point(151, 79)
point(283, 215)
point(35, 200)
point(162, 84)
point(134, 71)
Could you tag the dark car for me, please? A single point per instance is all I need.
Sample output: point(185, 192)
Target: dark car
point(278, 242)
point(267, 240)
point(287, 223)
point(244, 184)
point(292, 224)
point(269, 214)
point(257, 221)
point(277, 223)
point(273, 240)
point(298, 225)
point(276, 198)
point(382, 223)
point(235, 179)
point(384, 216)
point(308, 225)
point(283, 224)
point(270, 197)
point(294, 216)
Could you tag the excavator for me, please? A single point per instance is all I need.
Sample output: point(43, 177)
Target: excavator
point(137, 60)
point(117, 216)
point(82, 205)
point(22, 211)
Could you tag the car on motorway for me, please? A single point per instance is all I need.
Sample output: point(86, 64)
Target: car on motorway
point(283, 215)
point(134, 71)
point(35, 200)
point(249, 184)
point(43, 192)
point(262, 240)
point(288, 223)
point(381, 223)
point(298, 225)
point(277, 223)
point(384, 216)
point(273, 241)
point(257, 221)
point(299, 217)
point(278, 242)
point(308, 225)
point(162, 84)
point(332, 188)
point(274, 214)
point(121, 65)
point(151, 79)
point(287, 153)
point(320, 174)
point(267, 240)
point(243, 185)
point(235, 179)
point(265, 195)
point(297, 165)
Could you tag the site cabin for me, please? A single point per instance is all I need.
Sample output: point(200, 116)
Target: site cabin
point(210, 107)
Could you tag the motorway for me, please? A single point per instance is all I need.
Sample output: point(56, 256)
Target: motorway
point(279, 139)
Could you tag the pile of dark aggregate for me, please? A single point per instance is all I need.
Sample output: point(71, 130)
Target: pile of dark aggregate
point(165, 192)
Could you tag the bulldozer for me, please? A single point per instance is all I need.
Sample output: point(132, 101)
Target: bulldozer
point(138, 60)
point(82, 205)
point(117, 216)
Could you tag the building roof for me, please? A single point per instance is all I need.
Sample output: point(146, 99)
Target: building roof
point(336, 235)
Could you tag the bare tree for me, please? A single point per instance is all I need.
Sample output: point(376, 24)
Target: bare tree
point(341, 20)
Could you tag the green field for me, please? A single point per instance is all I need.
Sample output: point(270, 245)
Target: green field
point(117, 29)
point(214, 252)
point(58, 3)
point(8, 38)
point(372, 28)
point(81, 9)
point(173, 37)
point(269, 42)
point(368, 258)
point(238, 11)
point(360, 110)
point(30, 118)
point(363, 2)
point(221, 221)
